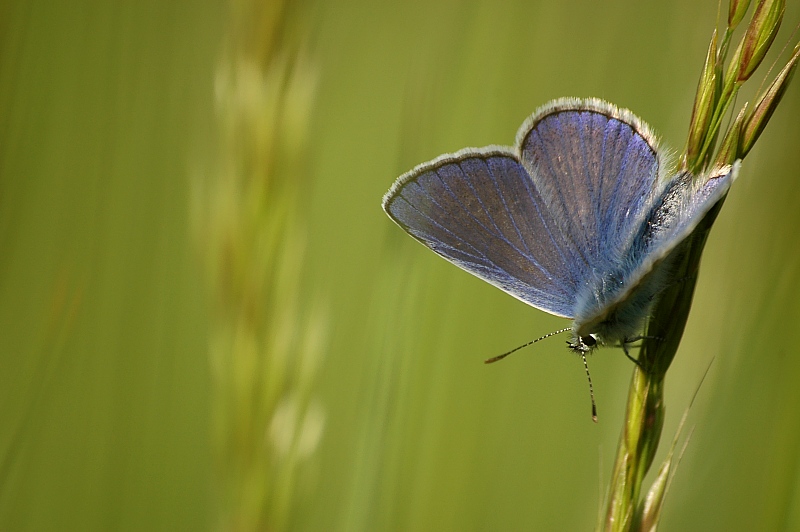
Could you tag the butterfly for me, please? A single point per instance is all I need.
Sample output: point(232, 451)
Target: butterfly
point(580, 218)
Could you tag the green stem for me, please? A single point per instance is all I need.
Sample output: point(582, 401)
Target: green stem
point(637, 447)
point(644, 417)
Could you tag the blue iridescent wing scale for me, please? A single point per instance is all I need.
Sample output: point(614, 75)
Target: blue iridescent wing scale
point(597, 168)
point(480, 210)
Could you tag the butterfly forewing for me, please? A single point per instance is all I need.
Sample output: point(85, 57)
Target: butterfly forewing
point(480, 210)
point(597, 170)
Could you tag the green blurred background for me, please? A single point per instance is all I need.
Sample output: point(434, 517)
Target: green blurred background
point(109, 112)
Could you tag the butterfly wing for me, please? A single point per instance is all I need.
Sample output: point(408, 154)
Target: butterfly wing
point(675, 215)
point(597, 168)
point(480, 210)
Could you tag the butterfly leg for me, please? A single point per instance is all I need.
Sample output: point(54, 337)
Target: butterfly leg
point(625, 342)
point(624, 345)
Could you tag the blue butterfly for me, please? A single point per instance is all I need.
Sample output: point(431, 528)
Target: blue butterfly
point(578, 219)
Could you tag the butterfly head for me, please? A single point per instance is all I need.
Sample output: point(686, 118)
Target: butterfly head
point(584, 344)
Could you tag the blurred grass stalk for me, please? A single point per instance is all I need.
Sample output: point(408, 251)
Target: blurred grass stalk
point(716, 91)
point(265, 345)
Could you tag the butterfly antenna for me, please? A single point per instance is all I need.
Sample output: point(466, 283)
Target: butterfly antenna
point(591, 389)
point(504, 355)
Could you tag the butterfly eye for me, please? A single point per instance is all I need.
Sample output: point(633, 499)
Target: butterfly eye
point(589, 341)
